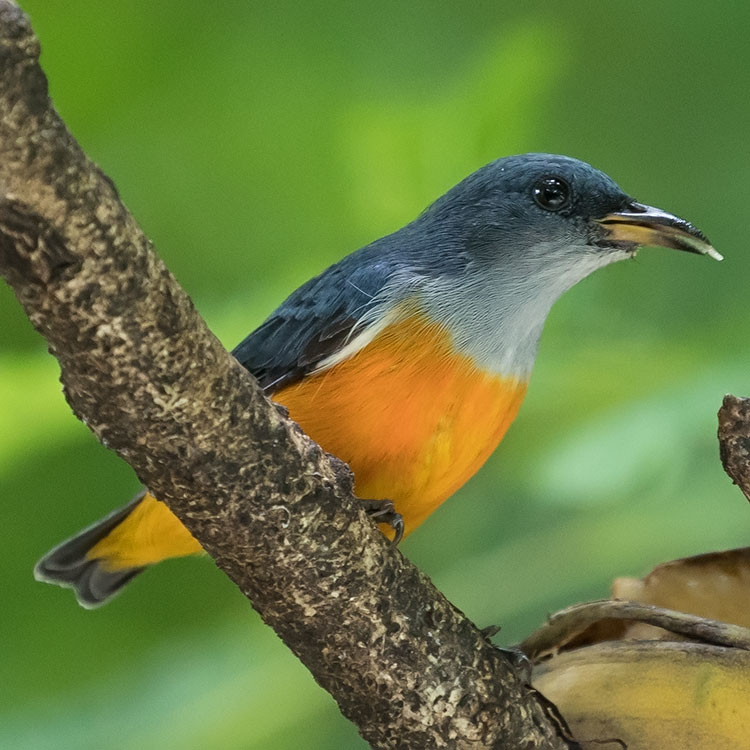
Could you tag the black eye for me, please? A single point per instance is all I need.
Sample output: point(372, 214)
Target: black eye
point(552, 193)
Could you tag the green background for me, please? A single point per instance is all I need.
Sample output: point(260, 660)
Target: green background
point(258, 143)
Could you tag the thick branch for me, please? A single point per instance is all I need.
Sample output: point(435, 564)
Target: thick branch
point(142, 370)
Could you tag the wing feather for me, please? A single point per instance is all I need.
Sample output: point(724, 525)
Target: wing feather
point(318, 319)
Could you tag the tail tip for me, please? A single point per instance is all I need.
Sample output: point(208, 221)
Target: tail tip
point(69, 565)
point(91, 583)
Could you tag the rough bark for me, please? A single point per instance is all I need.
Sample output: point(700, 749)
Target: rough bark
point(276, 513)
point(734, 440)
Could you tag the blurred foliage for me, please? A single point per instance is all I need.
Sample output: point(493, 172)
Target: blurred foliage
point(258, 143)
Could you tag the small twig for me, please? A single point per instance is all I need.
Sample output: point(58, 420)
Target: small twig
point(734, 440)
point(563, 626)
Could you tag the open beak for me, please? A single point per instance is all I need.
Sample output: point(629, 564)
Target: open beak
point(644, 225)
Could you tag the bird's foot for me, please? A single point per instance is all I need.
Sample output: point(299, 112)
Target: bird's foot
point(517, 658)
point(383, 511)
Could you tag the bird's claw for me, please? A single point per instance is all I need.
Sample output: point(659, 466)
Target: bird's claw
point(518, 660)
point(383, 511)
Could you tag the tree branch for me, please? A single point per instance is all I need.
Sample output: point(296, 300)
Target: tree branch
point(734, 440)
point(276, 513)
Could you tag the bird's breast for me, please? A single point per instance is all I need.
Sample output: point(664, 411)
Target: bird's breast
point(413, 418)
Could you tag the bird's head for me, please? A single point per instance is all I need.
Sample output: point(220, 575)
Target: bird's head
point(542, 214)
point(494, 253)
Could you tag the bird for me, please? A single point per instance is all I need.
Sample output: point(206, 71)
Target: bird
point(409, 358)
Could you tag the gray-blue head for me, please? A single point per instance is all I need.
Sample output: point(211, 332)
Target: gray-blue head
point(500, 247)
point(555, 205)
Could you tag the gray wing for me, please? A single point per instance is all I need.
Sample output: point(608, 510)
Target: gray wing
point(316, 320)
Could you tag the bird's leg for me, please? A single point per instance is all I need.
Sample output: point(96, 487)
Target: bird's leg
point(382, 511)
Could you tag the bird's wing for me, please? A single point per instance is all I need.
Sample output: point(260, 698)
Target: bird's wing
point(315, 321)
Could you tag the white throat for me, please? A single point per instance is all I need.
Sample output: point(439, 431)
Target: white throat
point(497, 315)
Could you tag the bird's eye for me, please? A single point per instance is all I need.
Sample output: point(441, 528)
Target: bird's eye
point(552, 193)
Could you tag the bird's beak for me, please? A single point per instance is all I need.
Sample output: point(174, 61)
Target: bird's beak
point(644, 225)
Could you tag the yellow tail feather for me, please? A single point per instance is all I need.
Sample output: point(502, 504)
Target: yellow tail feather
point(149, 534)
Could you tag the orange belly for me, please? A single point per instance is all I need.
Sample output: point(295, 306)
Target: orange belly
point(412, 418)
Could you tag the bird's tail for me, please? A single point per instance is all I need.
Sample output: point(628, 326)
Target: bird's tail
point(98, 561)
point(70, 565)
